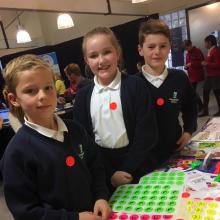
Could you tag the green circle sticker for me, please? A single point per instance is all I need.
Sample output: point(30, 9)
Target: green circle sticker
point(128, 208)
point(148, 209)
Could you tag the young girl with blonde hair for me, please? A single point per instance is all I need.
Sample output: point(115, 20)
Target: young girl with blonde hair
point(116, 110)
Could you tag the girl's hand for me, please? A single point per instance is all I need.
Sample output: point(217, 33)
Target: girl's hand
point(88, 216)
point(183, 140)
point(102, 209)
point(120, 178)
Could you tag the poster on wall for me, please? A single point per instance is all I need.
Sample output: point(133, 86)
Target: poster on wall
point(176, 47)
point(51, 59)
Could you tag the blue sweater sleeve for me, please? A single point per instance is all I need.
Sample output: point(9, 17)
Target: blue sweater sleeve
point(189, 108)
point(144, 127)
point(95, 166)
point(97, 171)
point(20, 189)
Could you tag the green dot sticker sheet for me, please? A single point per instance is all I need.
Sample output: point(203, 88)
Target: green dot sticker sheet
point(164, 178)
point(156, 193)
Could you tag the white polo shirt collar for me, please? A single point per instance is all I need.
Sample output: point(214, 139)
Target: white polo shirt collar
point(57, 135)
point(114, 85)
point(155, 80)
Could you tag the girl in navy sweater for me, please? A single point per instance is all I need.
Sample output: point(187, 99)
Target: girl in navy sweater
point(51, 168)
point(170, 89)
point(116, 110)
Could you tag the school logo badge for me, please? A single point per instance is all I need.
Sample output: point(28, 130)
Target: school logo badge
point(81, 152)
point(174, 99)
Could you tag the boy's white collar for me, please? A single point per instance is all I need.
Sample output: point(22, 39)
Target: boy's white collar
point(46, 131)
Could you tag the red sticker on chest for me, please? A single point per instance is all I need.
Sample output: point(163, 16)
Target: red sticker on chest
point(160, 101)
point(70, 161)
point(113, 106)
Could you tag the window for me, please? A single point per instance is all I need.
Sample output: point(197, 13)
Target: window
point(173, 20)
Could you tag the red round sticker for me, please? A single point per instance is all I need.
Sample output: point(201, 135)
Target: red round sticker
point(70, 161)
point(113, 106)
point(185, 195)
point(160, 101)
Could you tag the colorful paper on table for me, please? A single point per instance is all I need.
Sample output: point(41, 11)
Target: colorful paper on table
point(210, 132)
point(200, 150)
point(192, 209)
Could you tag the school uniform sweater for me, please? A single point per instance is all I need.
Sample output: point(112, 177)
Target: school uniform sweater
point(213, 62)
point(195, 71)
point(175, 95)
point(52, 180)
point(139, 118)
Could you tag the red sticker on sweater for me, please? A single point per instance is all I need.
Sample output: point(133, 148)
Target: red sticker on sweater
point(113, 106)
point(160, 101)
point(70, 161)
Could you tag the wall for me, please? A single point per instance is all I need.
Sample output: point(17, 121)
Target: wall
point(118, 6)
point(83, 23)
point(42, 27)
point(30, 21)
point(202, 22)
point(70, 51)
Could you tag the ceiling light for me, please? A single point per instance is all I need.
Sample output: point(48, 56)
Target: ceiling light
point(22, 35)
point(138, 1)
point(64, 21)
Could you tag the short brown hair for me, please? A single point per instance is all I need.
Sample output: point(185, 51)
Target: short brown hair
point(72, 68)
point(153, 26)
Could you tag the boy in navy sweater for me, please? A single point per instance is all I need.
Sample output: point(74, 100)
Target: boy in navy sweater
point(171, 91)
point(51, 168)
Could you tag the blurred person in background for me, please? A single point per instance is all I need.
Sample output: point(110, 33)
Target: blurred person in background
point(212, 66)
point(193, 65)
point(77, 81)
point(59, 84)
